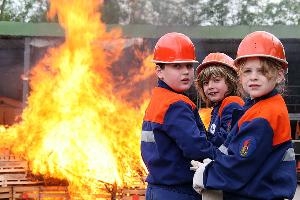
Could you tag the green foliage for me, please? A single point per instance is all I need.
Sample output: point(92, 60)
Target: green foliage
point(24, 11)
point(209, 12)
point(171, 12)
point(285, 12)
point(110, 12)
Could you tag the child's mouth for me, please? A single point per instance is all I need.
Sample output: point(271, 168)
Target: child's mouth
point(254, 86)
point(212, 93)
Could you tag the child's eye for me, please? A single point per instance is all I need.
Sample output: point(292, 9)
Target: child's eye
point(217, 80)
point(189, 66)
point(177, 66)
point(260, 71)
point(205, 82)
point(246, 71)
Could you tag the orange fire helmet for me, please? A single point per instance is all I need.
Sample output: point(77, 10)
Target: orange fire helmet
point(261, 44)
point(174, 48)
point(216, 58)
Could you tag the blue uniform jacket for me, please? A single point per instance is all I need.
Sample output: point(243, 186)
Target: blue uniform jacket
point(259, 161)
point(172, 135)
point(221, 115)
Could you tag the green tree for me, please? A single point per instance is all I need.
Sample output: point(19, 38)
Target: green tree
point(170, 12)
point(110, 11)
point(24, 11)
point(285, 12)
point(214, 12)
point(254, 12)
point(249, 13)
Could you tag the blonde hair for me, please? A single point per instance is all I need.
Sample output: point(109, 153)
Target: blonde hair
point(270, 69)
point(218, 70)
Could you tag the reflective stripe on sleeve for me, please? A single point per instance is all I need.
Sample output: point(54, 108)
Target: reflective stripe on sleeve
point(147, 136)
point(223, 149)
point(289, 155)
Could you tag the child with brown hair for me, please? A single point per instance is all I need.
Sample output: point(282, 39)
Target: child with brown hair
point(259, 161)
point(217, 84)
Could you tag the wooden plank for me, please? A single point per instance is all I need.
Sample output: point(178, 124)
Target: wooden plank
point(5, 189)
point(61, 192)
point(15, 179)
point(13, 166)
point(41, 192)
point(41, 188)
point(6, 193)
point(5, 155)
point(135, 191)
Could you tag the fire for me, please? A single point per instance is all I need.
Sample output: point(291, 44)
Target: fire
point(75, 126)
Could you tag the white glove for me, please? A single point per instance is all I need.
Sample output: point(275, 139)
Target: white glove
point(206, 161)
point(195, 165)
point(198, 176)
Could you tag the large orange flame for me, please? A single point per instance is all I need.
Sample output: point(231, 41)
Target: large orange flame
point(76, 126)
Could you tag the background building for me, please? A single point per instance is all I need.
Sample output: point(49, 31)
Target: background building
point(23, 44)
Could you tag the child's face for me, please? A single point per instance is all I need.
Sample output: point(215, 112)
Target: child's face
point(215, 88)
point(179, 76)
point(254, 81)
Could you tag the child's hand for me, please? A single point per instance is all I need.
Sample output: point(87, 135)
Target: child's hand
point(198, 176)
point(206, 161)
point(195, 165)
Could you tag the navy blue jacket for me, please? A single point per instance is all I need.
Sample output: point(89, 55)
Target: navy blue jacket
point(172, 135)
point(258, 162)
point(221, 116)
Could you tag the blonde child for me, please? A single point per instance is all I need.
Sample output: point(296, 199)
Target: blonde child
point(172, 131)
point(217, 84)
point(259, 162)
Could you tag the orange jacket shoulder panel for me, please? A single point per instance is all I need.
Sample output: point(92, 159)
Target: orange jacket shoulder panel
point(160, 103)
point(274, 110)
point(228, 100)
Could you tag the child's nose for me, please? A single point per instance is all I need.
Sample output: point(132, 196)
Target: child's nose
point(185, 70)
point(253, 75)
point(210, 84)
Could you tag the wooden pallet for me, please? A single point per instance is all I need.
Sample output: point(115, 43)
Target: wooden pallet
point(133, 194)
point(61, 193)
point(34, 193)
point(13, 171)
point(15, 185)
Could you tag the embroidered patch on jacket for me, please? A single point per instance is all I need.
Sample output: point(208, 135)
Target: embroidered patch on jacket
point(212, 129)
point(247, 146)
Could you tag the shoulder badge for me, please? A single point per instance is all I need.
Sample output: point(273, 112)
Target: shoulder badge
point(247, 146)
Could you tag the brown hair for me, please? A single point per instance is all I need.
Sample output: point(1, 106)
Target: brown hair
point(218, 70)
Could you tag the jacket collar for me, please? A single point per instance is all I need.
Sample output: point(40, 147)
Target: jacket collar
point(162, 84)
point(249, 102)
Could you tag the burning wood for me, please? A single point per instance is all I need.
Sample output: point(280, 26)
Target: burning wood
point(75, 128)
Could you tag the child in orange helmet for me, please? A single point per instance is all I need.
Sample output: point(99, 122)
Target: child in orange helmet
point(259, 161)
point(217, 84)
point(172, 131)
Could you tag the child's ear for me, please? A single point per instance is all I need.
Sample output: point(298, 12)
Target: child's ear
point(280, 78)
point(158, 72)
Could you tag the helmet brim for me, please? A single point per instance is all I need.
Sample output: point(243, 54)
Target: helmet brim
point(284, 62)
point(175, 61)
point(204, 65)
